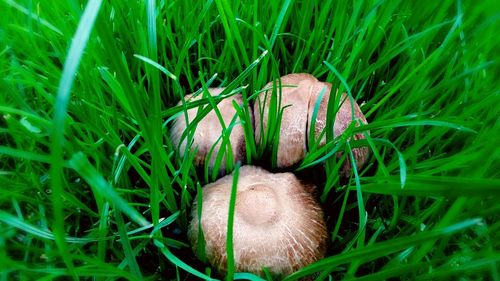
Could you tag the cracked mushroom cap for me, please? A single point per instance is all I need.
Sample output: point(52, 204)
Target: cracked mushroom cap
point(297, 117)
point(209, 130)
point(277, 223)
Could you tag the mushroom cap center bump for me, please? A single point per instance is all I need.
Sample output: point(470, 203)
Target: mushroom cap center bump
point(277, 223)
point(258, 205)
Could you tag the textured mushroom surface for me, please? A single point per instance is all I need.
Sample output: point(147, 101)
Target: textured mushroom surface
point(297, 118)
point(296, 91)
point(277, 223)
point(209, 130)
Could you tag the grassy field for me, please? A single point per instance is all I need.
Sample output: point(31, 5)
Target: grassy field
point(91, 186)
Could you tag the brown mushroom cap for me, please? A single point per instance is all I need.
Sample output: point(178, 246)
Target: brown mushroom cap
point(296, 119)
point(295, 92)
point(209, 130)
point(277, 223)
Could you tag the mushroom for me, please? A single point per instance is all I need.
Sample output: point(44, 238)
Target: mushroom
point(295, 93)
point(277, 223)
point(208, 131)
point(297, 118)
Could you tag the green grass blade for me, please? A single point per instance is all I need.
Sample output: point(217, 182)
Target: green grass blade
point(381, 249)
point(37, 232)
point(230, 221)
point(82, 165)
point(175, 260)
point(279, 22)
point(157, 65)
point(71, 64)
point(127, 248)
point(247, 276)
point(421, 185)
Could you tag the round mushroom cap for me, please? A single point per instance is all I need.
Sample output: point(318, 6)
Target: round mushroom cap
point(209, 130)
point(295, 93)
point(297, 118)
point(277, 223)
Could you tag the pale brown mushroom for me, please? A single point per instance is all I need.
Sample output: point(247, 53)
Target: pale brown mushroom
point(297, 118)
point(295, 93)
point(209, 130)
point(277, 223)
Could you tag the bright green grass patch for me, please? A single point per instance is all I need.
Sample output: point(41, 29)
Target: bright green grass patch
point(91, 186)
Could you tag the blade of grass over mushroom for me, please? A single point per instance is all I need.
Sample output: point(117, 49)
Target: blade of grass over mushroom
point(82, 165)
point(223, 153)
point(362, 214)
point(327, 151)
point(225, 147)
point(277, 136)
point(230, 225)
point(380, 249)
point(244, 113)
point(343, 83)
point(71, 64)
point(200, 245)
point(312, 142)
point(188, 133)
point(205, 110)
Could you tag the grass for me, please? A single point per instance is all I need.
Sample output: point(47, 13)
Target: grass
point(91, 186)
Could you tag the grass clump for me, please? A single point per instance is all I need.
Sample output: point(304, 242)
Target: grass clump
point(92, 187)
